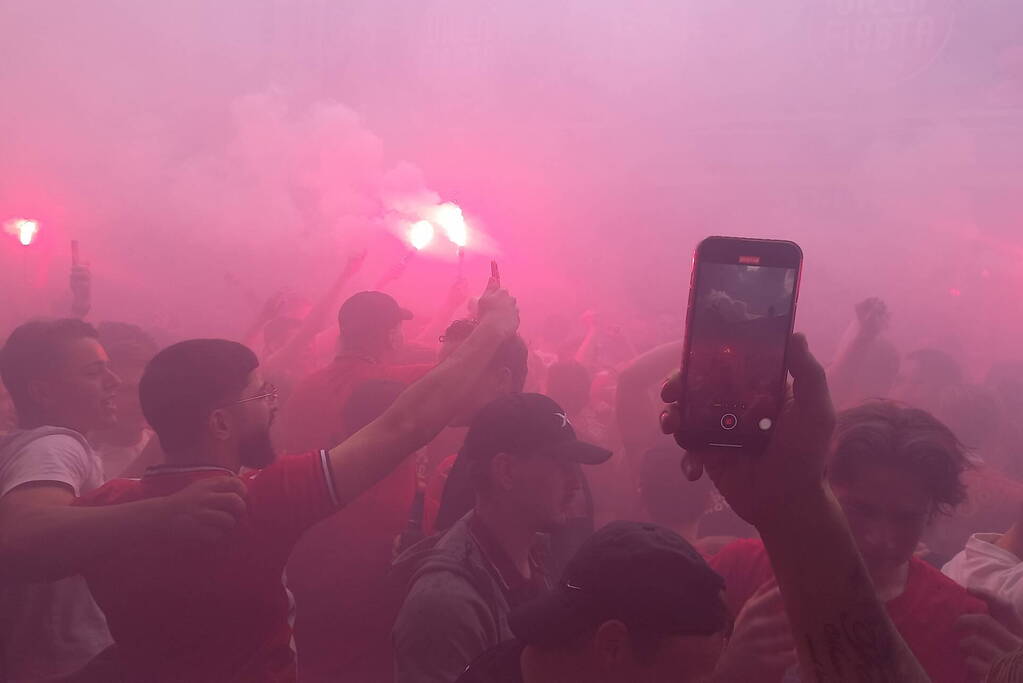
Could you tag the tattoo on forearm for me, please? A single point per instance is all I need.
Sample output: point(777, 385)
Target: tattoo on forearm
point(855, 649)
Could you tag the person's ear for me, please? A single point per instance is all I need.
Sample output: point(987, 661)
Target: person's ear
point(219, 425)
point(502, 472)
point(612, 645)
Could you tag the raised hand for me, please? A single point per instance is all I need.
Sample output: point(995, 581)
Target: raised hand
point(498, 307)
point(794, 459)
point(986, 638)
point(81, 289)
point(872, 317)
point(207, 510)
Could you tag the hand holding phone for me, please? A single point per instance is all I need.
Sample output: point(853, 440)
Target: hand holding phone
point(792, 464)
point(742, 302)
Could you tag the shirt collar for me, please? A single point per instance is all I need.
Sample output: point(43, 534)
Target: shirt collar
point(987, 545)
point(156, 470)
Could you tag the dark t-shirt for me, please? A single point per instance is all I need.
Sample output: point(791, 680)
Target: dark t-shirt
point(501, 664)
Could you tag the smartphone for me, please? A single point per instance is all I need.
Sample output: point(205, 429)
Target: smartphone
point(742, 306)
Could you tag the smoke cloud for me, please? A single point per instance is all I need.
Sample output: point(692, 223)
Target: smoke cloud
point(206, 154)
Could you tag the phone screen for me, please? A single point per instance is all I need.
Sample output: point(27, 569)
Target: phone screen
point(739, 324)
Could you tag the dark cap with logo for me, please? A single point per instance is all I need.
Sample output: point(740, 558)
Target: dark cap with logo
point(368, 311)
point(526, 424)
point(644, 575)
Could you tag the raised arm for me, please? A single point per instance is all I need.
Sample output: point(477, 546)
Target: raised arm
point(839, 625)
point(634, 400)
point(81, 290)
point(426, 407)
point(319, 317)
point(457, 296)
point(43, 537)
point(872, 317)
point(253, 335)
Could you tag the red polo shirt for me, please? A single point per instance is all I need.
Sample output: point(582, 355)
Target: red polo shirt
point(212, 614)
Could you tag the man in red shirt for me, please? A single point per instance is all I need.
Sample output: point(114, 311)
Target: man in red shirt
point(892, 469)
point(370, 333)
point(314, 417)
point(180, 613)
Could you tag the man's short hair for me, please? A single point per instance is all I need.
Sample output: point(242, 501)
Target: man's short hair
point(889, 433)
point(185, 382)
point(512, 353)
point(32, 351)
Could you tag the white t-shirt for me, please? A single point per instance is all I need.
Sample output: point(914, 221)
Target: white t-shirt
point(982, 565)
point(49, 630)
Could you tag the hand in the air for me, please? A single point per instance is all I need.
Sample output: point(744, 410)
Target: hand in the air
point(793, 462)
point(207, 510)
point(872, 316)
point(497, 307)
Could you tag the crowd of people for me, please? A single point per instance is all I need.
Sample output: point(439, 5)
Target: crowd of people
point(471, 506)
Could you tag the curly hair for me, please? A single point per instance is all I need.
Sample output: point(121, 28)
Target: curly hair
point(894, 434)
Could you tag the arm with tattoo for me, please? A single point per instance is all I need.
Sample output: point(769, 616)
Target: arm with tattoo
point(841, 630)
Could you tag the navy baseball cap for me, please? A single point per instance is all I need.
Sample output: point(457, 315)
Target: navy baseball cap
point(642, 574)
point(527, 423)
point(371, 311)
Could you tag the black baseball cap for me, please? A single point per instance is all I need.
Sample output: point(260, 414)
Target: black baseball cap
point(527, 423)
point(642, 574)
point(371, 311)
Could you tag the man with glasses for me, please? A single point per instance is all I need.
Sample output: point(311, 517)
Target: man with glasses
point(522, 456)
point(184, 613)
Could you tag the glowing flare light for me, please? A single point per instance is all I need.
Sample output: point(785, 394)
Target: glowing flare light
point(420, 234)
point(22, 228)
point(449, 217)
